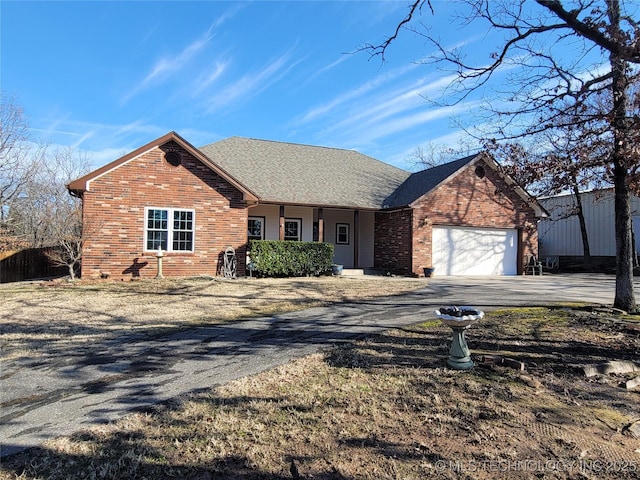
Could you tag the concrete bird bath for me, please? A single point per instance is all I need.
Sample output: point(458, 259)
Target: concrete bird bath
point(459, 319)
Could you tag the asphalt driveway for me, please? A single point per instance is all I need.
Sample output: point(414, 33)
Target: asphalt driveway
point(41, 401)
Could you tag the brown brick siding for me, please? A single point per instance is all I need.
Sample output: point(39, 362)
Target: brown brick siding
point(470, 201)
point(392, 242)
point(114, 209)
point(465, 200)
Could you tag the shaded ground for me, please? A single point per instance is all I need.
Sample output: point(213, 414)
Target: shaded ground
point(76, 354)
point(385, 407)
point(48, 319)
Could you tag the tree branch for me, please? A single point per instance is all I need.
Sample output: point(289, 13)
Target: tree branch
point(616, 47)
point(380, 50)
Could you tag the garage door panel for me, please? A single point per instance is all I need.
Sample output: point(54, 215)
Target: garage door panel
point(474, 251)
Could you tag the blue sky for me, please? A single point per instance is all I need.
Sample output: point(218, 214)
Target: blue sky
point(108, 77)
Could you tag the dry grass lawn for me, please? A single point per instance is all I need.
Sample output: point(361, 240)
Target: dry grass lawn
point(51, 317)
point(381, 408)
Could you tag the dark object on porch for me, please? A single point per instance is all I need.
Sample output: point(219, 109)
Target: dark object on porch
point(552, 263)
point(533, 266)
point(230, 265)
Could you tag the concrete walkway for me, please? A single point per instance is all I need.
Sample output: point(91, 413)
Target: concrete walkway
point(106, 381)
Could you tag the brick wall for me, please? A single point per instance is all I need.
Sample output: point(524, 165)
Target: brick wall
point(403, 238)
point(392, 237)
point(470, 201)
point(114, 210)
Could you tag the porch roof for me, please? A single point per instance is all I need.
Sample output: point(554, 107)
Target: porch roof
point(279, 172)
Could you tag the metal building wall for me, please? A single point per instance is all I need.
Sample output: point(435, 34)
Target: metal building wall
point(561, 236)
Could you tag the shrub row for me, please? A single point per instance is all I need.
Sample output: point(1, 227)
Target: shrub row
point(275, 258)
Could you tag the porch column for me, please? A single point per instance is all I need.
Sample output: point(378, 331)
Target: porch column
point(281, 222)
point(356, 237)
point(321, 225)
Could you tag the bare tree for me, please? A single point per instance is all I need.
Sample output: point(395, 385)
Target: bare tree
point(431, 155)
point(46, 216)
point(36, 210)
point(69, 234)
point(556, 167)
point(541, 83)
point(19, 158)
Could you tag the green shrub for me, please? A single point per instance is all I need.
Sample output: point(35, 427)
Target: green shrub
point(275, 258)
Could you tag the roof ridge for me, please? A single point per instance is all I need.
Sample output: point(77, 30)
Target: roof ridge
point(307, 145)
point(295, 143)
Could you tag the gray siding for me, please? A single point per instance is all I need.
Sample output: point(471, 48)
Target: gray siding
point(561, 236)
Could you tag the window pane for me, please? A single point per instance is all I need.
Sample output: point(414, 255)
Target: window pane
point(157, 219)
point(182, 241)
point(292, 229)
point(182, 220)
point(255, 229)
point(157, 234)
point(182, 230)
point(156, 239)
point(342, 233)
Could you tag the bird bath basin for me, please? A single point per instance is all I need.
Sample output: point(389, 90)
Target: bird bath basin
point(459, 319)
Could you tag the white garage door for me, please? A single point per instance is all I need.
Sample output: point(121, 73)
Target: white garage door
point(475, 251)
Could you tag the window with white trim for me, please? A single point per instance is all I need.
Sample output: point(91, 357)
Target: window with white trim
point(169, 229)
point(342, 234)
point(255, 228)
point(293, 229)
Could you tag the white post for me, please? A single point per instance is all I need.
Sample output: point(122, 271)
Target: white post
point(159, 256)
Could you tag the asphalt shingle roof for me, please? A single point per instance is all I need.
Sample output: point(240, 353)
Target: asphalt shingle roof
point(419, 183)
point(306, 175)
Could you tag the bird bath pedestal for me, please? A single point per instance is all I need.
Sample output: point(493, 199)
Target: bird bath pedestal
point(459, 319)
point(159, 256)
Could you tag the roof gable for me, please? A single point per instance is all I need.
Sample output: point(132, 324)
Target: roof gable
point(292, 173)
point(82, 184)
point(421, 183)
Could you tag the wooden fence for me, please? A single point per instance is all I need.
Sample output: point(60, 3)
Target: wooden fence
point(28, 264)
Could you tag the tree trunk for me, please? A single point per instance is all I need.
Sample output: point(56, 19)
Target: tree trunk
point(624, 298)
point(72, 273)
point(586, 249)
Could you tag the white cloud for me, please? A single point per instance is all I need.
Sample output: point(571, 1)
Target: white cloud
point(327, 68)
point(352, 94)
point(199, 138)
point(252, 83)
point(98, 137)
point(136, 128)
point(208, 78)
point(391, 103)
point(82, 139)
point(374, 131)
point(368, 114)
point(101, 157)
point(168, 66)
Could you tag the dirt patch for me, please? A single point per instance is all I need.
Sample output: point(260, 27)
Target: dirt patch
point(385, 407)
